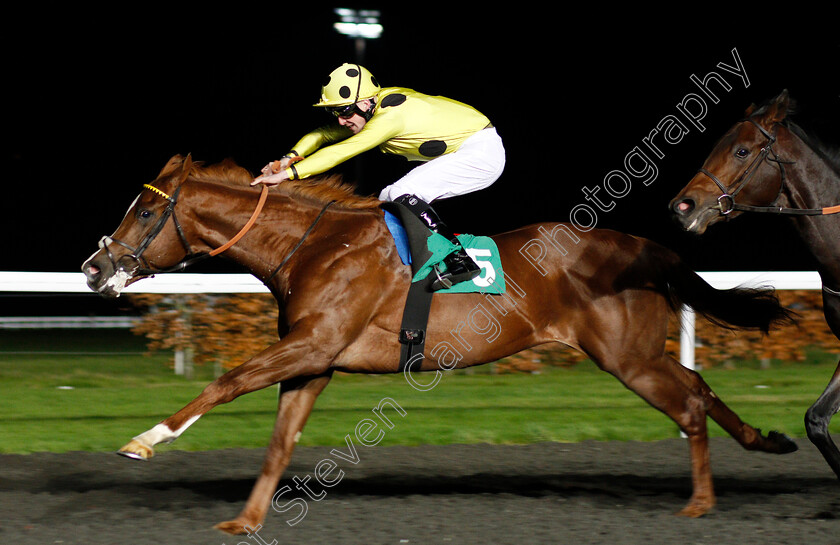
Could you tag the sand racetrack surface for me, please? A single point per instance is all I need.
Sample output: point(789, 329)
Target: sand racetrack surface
point(585, 493)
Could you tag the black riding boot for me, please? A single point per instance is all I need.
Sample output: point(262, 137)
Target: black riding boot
point(460, 267)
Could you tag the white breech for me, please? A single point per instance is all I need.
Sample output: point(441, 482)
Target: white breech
point(475, 165)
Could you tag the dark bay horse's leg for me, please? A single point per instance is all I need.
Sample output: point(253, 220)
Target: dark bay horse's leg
point(819, 414)
point(297, 397)
point(818, 417)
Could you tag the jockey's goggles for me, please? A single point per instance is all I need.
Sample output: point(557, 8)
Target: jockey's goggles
point(345, 112)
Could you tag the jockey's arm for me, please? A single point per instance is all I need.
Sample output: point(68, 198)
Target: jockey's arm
point(323, 150)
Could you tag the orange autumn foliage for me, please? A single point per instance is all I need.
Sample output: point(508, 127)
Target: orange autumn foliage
point(220, 329)
point(226, 330)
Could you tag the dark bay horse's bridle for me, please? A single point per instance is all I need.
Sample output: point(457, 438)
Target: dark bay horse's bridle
point(764, 154)
point(726, 201)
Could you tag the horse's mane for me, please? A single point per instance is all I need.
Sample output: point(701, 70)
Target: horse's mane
point(830, 155)
point(322, 188)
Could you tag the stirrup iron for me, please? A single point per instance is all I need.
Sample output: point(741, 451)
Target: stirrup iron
point(441, 282)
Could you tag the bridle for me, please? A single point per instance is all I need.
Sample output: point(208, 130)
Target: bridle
point(726, 201)
point(141, 267)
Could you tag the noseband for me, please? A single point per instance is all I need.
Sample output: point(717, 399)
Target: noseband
point(726, 201)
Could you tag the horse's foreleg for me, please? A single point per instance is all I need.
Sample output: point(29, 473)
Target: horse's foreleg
point(297, 397)
point(295, 355)
point(818, 417)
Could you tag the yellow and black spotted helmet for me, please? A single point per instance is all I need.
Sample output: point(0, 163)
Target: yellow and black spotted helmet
point(348, 84)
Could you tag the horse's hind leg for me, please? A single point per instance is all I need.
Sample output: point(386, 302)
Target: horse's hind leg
point(662, 385)
point(683, 395)
point(749, 437)
point(297, 397)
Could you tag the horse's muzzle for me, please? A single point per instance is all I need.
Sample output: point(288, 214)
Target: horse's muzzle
point(691, 217)
point(103, 276)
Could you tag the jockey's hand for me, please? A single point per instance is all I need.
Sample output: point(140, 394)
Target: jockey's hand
point(269, 179)
point(275, 172)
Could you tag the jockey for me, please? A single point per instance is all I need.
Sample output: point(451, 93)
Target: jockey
point(460, 150)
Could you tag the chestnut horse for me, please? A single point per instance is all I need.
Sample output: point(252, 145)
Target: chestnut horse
point(766, 163)
point(341, 289)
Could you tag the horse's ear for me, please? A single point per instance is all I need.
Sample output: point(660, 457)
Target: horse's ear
point(778, 108)
point(175, 164)
point(186, 167)
point(750, 110)
point(171, 166)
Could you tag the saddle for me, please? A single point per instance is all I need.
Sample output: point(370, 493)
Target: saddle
point(422, 250)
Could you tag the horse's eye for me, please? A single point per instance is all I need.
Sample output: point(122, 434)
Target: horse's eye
point(742, 152)
point(144, 214)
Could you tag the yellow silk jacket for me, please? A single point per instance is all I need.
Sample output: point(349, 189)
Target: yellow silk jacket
point(416, 126)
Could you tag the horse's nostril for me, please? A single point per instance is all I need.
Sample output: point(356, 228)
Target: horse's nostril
point(91, 272)
point(683, 207)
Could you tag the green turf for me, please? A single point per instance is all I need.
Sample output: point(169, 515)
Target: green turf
point(65, 402)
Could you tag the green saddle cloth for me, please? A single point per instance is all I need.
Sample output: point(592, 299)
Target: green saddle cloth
point(482, 250)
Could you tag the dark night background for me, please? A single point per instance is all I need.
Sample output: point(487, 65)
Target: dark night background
point(97, 104)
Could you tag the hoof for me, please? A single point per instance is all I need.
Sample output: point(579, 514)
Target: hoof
point(136, 451)
point(784, 443)
point(696, 509)
point(233, 527)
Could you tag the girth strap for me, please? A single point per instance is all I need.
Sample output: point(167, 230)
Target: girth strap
point(415, 318)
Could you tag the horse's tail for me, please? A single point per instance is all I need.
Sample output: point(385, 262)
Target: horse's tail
point(751, 308)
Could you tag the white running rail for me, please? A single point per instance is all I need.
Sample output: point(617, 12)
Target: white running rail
point(58, 282)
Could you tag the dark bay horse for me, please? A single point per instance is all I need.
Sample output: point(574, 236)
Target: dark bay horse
point(341, 287)
point(766, 163)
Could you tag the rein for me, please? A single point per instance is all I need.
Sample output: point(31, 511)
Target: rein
point(726, 202)
point(246, 227)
